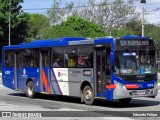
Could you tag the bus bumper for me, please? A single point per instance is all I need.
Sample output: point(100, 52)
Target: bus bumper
point(122, 92)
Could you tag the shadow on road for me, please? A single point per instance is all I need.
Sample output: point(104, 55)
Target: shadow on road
point(102, 103)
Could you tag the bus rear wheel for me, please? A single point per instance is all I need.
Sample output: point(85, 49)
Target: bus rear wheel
point(30, 91)
point(125, 100)
point(88, 96)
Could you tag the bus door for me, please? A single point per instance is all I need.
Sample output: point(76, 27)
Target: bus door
point(102, 69)
point(44, 70)
point(17, 66)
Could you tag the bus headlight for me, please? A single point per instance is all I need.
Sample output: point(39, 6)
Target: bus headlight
point(119, 85)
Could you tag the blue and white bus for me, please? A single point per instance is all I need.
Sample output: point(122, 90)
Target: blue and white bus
point(108, 68)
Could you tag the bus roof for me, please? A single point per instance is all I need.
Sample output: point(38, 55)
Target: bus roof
point(65, 41)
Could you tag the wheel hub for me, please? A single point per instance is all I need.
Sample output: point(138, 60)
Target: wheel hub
point(30, 90)
point(88, 95)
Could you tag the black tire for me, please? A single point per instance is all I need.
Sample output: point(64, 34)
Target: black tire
point(125, 100)
point(30, 91)
point(88, 96)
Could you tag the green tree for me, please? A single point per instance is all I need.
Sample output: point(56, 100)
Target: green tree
point(76, 26)
point(84, 27)
point(106, 13)
point(118, 32)
point(62, 31)
point(57, 14)
point(152, 31)
point(39, 26)
point(18, 20)
point(134, 26)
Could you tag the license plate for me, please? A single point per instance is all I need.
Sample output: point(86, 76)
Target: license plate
point(141, 93)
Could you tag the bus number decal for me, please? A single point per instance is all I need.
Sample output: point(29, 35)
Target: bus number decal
point(149, 85)
point(7, 72)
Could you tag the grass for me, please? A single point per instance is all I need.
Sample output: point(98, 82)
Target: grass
point(159, 81)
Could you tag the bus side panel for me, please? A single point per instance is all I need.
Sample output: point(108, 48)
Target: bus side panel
point(77, 77)
point(8, 77)
point(59, 81)
point(29, 73)
point(46, 86)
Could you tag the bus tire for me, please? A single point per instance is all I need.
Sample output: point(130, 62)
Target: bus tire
point(88, 96)
point(125, 100)
point(30, 91)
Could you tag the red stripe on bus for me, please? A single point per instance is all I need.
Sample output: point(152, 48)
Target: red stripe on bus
point(131, 86)
point(111, 86)
point(45, 81)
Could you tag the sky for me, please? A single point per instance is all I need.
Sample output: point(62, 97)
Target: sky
point(152, 8)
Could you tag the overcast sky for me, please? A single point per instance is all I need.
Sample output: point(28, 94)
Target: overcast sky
point(152, 7)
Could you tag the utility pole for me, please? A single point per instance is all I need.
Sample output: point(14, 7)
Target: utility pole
point(143, 22)
point(9, 26)
point(143, 1)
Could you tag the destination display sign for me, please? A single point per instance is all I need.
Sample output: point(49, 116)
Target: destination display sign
point(134, 42)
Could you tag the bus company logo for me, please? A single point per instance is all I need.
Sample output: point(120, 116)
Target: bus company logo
point(139, 86)
point(24, 71)
point(61, 74)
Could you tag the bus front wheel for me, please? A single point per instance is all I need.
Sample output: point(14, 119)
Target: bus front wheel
point(30, 91)
point(88, 96)
point(125, 100)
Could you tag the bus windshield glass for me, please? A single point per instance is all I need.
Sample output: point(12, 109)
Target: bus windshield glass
point(135, 62)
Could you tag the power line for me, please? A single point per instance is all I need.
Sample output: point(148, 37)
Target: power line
point(82, 6)
point(87, 6)
point(153, 11)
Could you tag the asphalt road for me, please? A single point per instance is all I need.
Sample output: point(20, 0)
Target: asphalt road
point(68, 107)
point(71, 108)
point(60, 107)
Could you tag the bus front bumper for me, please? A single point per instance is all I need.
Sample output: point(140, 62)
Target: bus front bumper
point(120, 93)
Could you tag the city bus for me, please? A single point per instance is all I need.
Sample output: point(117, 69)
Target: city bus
point(108, 68)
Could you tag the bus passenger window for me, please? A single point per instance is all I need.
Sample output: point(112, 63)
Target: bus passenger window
point(71, 60)
point(57, 57)
point(71, 57)
point(85, 58)
point(80, 61)
point(9, 55)
point(28, 58)
point(56, 63)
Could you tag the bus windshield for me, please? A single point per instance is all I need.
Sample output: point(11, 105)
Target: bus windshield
point(135, 62)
